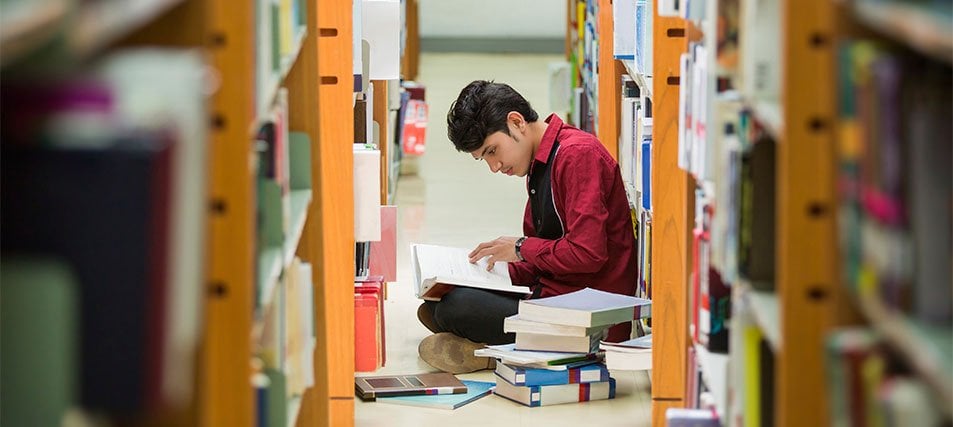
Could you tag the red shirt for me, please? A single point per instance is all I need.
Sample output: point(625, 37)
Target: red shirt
point(597, 248)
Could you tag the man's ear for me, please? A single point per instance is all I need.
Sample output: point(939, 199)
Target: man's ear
point(517, 120)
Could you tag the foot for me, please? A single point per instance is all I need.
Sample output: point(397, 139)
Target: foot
point(450, 353)
point(425, 316)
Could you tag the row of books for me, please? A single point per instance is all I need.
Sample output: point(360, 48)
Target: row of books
point(278, 24)
point(895, 181)
point(632, 33)
point(635, 160)
point(283, 363)
point(584, 59)
point(105, 172)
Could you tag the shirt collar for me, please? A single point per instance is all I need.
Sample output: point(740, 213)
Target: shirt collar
point(549, 138)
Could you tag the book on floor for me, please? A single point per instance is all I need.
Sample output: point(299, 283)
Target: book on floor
point(520, 376)
point(369, 388)
point(516, 324)
point(475, 390)
point(586, 307)
point(559, 343)
point(507, 353)
point(631, 355)
point(438, 269)
point(545, 395)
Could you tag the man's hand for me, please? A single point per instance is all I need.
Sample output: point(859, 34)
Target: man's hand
point(502, 249)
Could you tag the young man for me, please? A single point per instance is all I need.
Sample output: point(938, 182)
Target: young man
point(577, 230)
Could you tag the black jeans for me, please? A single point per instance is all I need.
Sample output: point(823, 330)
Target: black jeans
point(475, 314)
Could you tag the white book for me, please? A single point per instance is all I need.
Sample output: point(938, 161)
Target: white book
point(555, 394)
point(508, 354)
point(515, 324)
point(586, 307)
point(437, 269)
point(630, 360)
point(560, 343)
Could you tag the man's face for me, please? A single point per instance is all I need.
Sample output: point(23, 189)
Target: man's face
point(506, 154)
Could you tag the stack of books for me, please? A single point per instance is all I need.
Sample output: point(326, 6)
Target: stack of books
point(556, 356)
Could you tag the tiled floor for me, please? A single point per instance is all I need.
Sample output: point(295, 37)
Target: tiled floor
point(454, 200)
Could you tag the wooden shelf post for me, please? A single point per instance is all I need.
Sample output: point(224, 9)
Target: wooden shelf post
point(806, 204)
point(672, 197)
point(610, 78)
point(332, 211)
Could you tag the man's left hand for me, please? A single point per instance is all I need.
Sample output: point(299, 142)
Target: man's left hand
point(501, 249)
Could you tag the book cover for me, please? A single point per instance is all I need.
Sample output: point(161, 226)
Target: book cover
point(507, 353)
point(369, 388)
point(559, 343)
point(546, 395)
point(475, 391)
point(437, 269)
point(587, 307)
point(593, 371)
point(516, 324)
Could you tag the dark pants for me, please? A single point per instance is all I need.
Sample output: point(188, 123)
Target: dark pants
point(475, 314)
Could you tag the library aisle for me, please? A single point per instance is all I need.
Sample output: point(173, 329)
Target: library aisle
point(454, 200)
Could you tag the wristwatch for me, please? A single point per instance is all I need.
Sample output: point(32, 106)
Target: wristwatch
point(519, 245)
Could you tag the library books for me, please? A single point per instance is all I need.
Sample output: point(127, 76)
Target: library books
point(369, 388)
point(587, 307)
point(367, 196)
point(687, 417)
point(517, 324)
point(591, 372)
point(475, 391)
point(561, 343)
point(437, 269)
point(545, 395)
point(508, 354)
point(631, 355)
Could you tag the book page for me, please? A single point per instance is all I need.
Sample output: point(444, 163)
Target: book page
point(441, 261)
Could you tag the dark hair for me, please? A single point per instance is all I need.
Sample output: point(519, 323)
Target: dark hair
point(481, 110)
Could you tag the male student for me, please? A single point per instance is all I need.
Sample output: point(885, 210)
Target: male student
point(577, 230)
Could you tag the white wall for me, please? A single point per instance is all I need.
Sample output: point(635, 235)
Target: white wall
point(493, 19)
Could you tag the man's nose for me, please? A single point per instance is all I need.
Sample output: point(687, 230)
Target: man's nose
point(494, 166)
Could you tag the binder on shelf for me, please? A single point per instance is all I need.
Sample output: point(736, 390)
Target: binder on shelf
point(381, 27)
point(367, 199)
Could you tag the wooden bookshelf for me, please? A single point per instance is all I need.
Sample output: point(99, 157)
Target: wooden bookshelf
point(805, 209)
point(332, 213)
point(610, 74)
point(226, 369)
point(672, 216)
point(382, 118)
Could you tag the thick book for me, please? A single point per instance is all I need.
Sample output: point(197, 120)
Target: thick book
point(631, 355)
point(558, 343)
point(507, 353)
point(520, 376)
point(369, 388)
point(586, 307)
point(517, 324)
point(545, 395)
point(438, 269)
point(475, 390)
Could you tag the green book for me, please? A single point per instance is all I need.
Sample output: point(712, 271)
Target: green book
point(475, 390)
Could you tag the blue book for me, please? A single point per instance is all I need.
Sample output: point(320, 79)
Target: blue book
point(475, 390)
point(592, 372)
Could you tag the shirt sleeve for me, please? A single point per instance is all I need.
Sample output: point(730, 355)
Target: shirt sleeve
point(582, 178)
point(524, 273)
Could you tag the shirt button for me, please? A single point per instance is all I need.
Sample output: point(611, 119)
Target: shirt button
point(533, 191)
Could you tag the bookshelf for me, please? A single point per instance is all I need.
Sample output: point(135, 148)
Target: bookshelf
point(829, 286)
point(242, 276)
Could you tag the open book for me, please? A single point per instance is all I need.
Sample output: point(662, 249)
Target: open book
point(437, 269)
